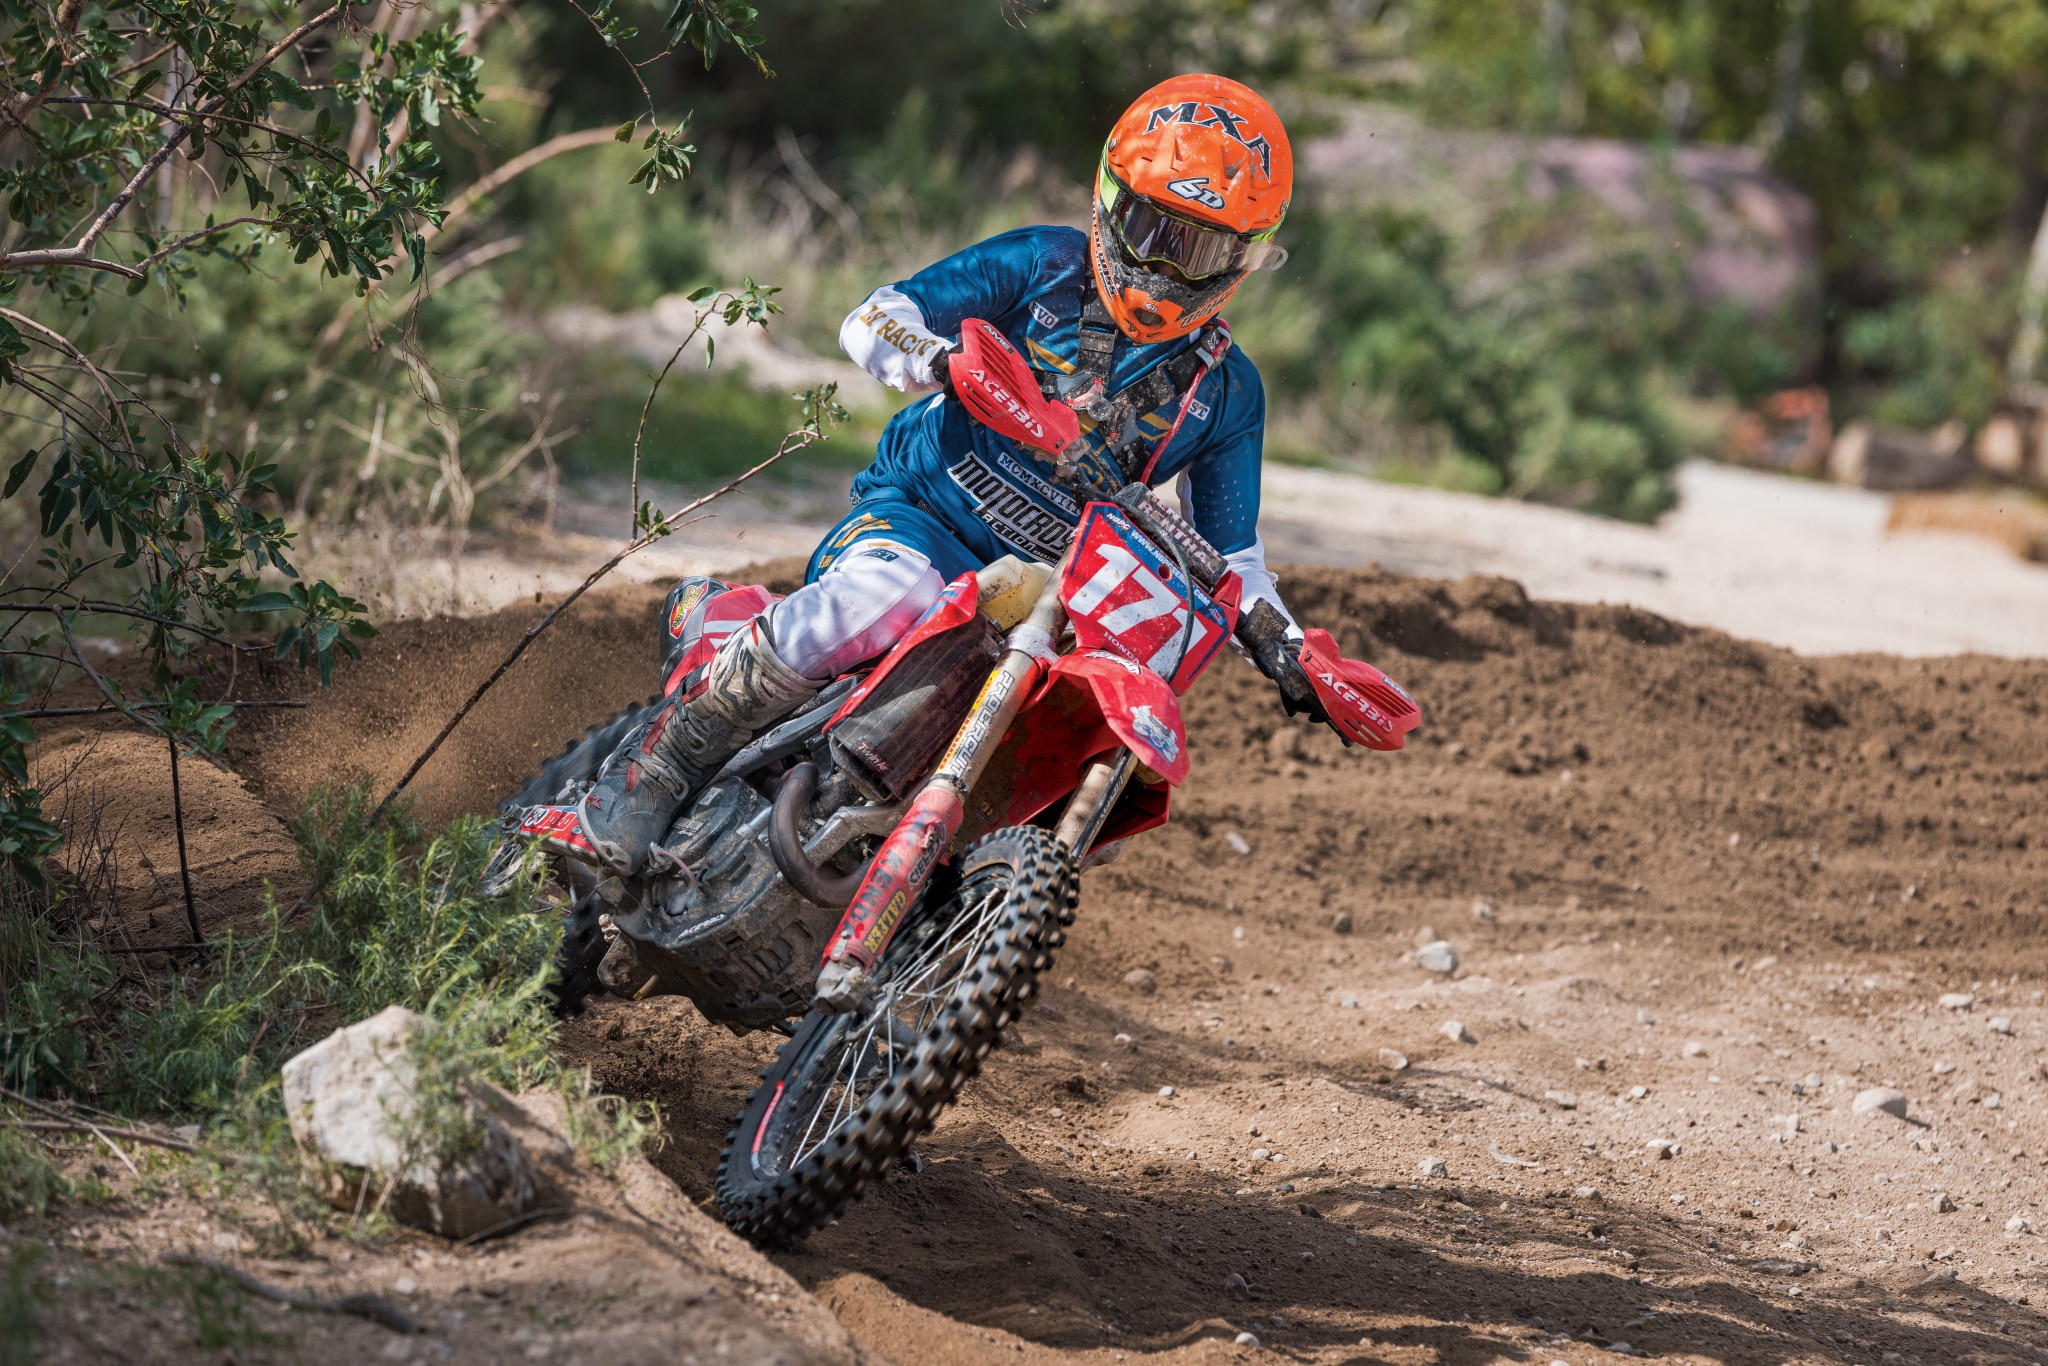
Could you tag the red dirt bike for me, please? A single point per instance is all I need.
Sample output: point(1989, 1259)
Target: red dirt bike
point(884, 876)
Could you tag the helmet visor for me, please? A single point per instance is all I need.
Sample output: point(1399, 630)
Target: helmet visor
point(1151, 235)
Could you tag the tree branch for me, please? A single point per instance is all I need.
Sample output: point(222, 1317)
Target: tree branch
point(461, 204)
point(64, 343)
point(160, 253)
point(178, 135)
point(63, 256)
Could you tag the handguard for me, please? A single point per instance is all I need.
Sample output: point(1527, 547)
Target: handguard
point(993, 380)
point(1362, 704)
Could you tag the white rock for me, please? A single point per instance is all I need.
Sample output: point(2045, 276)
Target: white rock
point(1455, 1031)
point(2001, 1025)
point(1235, 1281)
point(1348, 1003)
point(1661, 1148)
point(1247, 1340)
point(1236, 842)
point(1956, 1000)
point(1141, 980)
point(1564, 1100)
point(350, 1099)
point(1588, 1192)
point(2019, 1223)
point(1481, 911)
point(1621, 1349)
point(1165, 1091)
point(1261, 1154)
point(1638, 1092)
point(1880, 1099)
point(1252, 1129)
point(1942, 1069)
point(1993, 1101)
point(1437, 956)
point(1433, 1166)
point(1694, 1049)
point(1942, 1204)
point(1393, 1060)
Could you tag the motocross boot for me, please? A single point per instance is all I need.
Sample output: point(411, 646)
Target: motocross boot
point(660, 767)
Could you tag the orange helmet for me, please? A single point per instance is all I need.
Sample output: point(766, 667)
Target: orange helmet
point(1195, 179)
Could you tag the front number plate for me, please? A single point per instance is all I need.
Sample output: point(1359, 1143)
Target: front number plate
point(1124, 595)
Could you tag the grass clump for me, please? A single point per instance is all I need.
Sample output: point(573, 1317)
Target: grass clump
point(29, 1181)
point(400, 920)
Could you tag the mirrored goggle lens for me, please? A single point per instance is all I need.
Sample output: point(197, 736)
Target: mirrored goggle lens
point(1149, 234)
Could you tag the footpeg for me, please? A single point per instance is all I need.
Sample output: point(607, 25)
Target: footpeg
point(843, 988)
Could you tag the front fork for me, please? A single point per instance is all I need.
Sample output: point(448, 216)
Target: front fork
point(903, 866)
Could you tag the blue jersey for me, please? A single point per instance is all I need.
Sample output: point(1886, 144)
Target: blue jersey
point(998, 497)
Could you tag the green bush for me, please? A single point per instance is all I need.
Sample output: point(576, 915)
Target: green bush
point(1550, 390)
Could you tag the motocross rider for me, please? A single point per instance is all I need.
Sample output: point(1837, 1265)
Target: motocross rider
point(1120, 322)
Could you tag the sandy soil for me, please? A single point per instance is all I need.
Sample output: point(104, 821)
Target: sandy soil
point(1700, 887)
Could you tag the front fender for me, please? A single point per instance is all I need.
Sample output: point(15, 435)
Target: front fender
point(1136, 704)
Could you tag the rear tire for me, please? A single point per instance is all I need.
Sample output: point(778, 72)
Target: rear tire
point(583, 943)
point(848, 1094)
point(578, 763)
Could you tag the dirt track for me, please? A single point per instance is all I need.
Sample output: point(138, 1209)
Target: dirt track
point(1710, 870)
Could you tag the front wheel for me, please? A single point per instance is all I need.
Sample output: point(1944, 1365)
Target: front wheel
point(848, 1094)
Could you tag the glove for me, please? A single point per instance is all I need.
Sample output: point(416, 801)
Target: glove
point(1263, 632)
point(941, 365)
point(1297, 694)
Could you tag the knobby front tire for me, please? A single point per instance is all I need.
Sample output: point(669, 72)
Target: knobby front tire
point(848, 1094)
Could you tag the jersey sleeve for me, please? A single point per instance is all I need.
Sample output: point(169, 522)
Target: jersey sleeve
point(887, 336)
point(901, 328)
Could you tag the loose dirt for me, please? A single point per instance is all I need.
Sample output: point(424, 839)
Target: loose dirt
point(1704, 891)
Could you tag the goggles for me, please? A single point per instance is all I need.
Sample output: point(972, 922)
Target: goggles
point(1149, 234)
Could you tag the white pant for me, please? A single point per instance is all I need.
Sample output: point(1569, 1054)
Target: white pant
point(857, 609)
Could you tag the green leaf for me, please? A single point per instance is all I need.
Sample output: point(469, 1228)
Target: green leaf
point(269, 602)
point(625, 133)
point(18, 472)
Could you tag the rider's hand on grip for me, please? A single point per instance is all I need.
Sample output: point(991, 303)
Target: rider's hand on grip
point(940, 374)
point(1263, 632)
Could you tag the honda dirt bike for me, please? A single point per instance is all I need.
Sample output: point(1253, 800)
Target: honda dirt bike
point(883, 876)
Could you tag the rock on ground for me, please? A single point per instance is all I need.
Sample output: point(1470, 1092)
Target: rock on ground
point(355, 1108)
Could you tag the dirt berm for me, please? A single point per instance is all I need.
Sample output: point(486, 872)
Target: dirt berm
point(1705, 894)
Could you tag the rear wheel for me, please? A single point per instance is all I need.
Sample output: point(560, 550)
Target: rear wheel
point(561, 779)
point(576, 765)
point(848, 1094)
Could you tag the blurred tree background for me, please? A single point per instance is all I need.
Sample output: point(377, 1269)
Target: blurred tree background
point(1539, 345)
